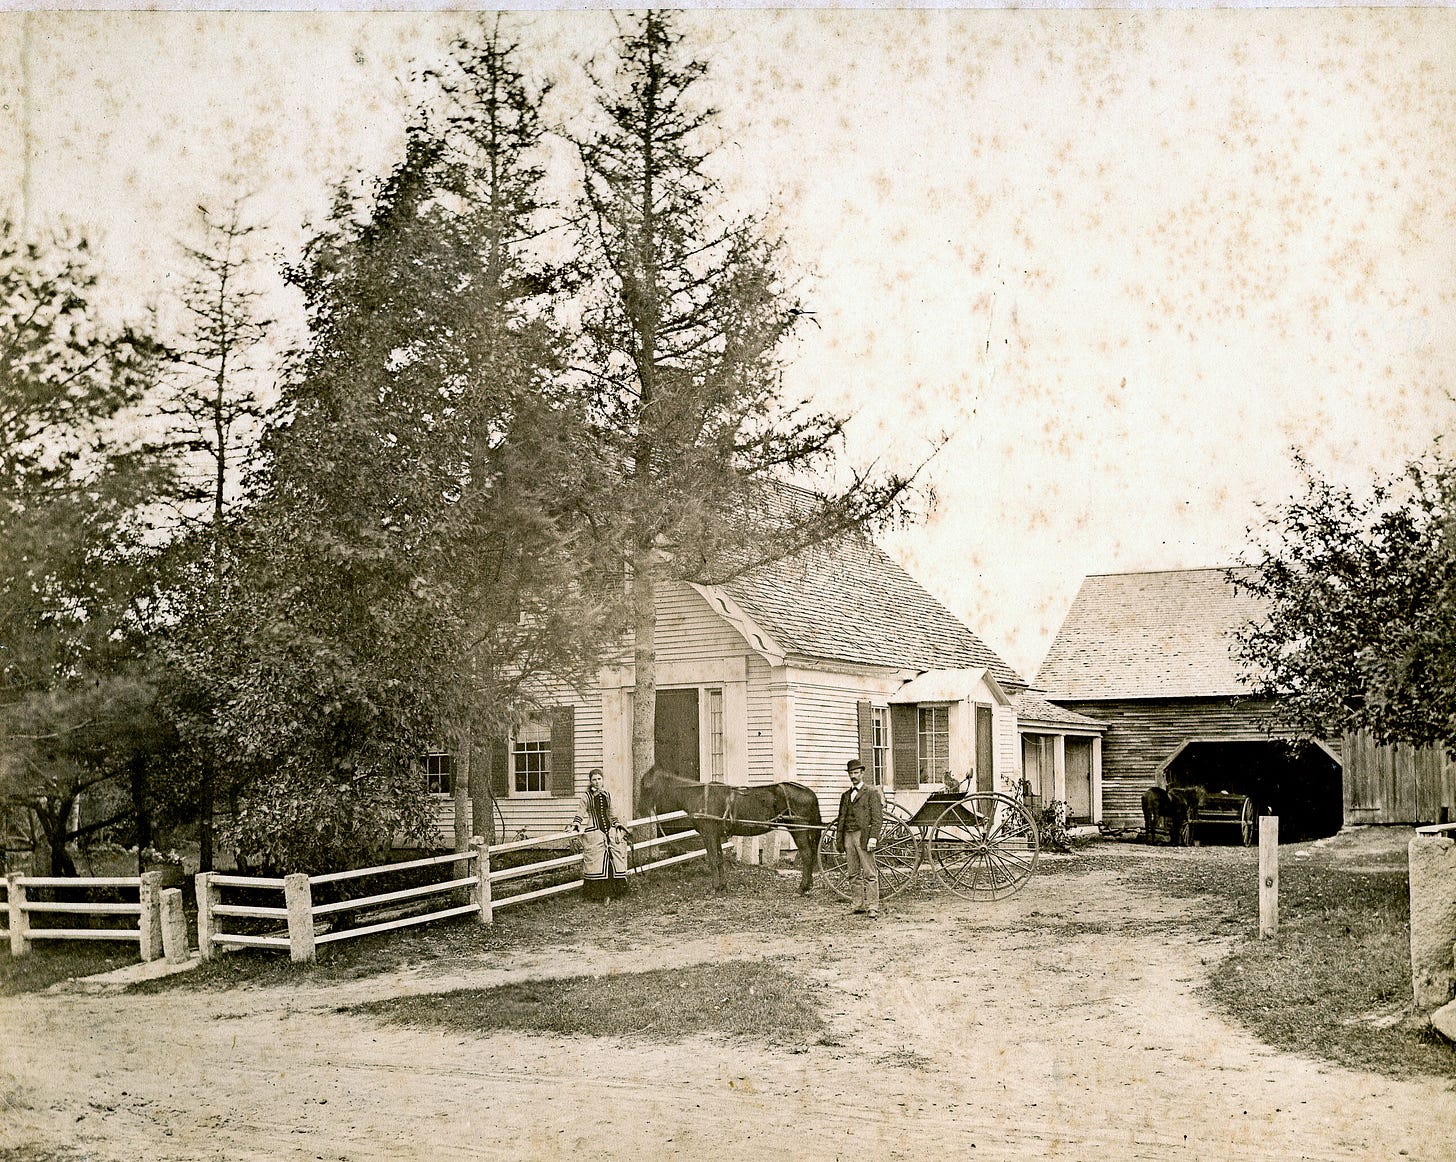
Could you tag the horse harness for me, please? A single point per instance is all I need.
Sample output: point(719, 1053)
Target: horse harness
point(783, 816)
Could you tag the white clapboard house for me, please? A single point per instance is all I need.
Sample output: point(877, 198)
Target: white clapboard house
point(786, 674)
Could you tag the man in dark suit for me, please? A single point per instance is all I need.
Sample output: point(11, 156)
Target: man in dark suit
point(861, 814)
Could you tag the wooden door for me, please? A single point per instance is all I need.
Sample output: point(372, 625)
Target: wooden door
point(675, 735)
point(1079, 777)
point(985, 750)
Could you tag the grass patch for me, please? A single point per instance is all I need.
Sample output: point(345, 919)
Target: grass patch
point(677, 901)
point(50, 962)
point(755, 1000)
point(1335, 983)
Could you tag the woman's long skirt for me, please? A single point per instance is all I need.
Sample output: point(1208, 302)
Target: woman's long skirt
point(603, 866)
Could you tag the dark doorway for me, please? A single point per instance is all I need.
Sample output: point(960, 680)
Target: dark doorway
point(675, 736)
point(1299, 782)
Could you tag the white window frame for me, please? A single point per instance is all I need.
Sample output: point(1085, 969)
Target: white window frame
point(430, 759)
point(529, 733)
point(880, 745)
point(712, 731)
point(924, 777)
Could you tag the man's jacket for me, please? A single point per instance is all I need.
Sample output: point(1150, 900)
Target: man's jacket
point(865, 814)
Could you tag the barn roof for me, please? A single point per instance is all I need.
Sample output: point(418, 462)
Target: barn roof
point(846, 600)
point(1149, 635)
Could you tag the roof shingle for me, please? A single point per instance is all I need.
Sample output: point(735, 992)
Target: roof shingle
point(1150, 635)
point(847, 600)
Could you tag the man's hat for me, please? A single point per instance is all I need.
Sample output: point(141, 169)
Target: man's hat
point(854, 765)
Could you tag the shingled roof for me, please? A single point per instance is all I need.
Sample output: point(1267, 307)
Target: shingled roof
point(848, 601)
point(1149, 635)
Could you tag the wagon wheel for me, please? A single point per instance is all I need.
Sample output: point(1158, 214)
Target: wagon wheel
point(984, 847)
point(898, 853)
point(1248, 823)
point(832, 864)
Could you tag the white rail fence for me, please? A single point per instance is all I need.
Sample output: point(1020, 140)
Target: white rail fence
point(296, 917)
point(141, 918)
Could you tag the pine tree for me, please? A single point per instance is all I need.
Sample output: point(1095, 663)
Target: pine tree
point(685, 336)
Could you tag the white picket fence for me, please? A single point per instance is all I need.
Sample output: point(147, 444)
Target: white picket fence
point(296, 917)
point(143, 916)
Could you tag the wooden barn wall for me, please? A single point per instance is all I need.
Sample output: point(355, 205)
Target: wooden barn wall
point(1142, 735)
point(1396, 784)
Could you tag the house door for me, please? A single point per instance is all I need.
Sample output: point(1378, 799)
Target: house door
point(675, 736)
point(985, 750)
point(1079, 777)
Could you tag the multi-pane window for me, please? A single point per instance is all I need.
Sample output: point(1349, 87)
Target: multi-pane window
point(531, 759)
point(438, 773)
point(715, 735)
point(880, 744)
point(933, 723)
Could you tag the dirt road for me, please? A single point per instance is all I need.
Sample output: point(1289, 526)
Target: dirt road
point(1063, 1023)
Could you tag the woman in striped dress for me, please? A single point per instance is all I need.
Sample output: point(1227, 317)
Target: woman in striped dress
point(603, 844)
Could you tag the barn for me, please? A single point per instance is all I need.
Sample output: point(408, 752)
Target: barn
point(1148, 656)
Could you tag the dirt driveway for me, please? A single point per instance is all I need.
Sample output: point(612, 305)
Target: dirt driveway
point(1063, 1023)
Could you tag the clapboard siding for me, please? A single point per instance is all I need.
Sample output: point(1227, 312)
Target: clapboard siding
point(688, 629)
point(760, 722)
point(1396, 784)
point(1143, 734)
point(826, 729)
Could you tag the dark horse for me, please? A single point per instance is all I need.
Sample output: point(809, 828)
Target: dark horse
point(1173, 810)
point(717, 810)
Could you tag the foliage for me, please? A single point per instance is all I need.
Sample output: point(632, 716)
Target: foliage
point(1360, 593)
point(686, 321)
point(77, 507)
point(414, 568)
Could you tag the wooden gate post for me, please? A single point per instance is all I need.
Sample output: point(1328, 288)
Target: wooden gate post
point(1268, 876)
point(482, 881)
point(207, 899)
point(19, 926)
point(298, 897)
point(149, 924)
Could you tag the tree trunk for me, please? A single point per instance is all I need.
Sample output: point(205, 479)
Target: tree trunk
point(137, 771)
point(204, 827)
point(461, 790)
point(644, 659)
point(481, 820)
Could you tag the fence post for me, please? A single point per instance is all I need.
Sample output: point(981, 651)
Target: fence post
point(482, 882)
point(149, 924)
point(207, 900)
point(1268, 876)
point(174, 927)
point(19, 927)
point(298, 897)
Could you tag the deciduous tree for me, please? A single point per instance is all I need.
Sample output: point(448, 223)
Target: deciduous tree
point(1360, 632)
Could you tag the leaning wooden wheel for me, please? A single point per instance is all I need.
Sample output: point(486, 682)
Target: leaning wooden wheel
point(1248, 823)
point(984, 847)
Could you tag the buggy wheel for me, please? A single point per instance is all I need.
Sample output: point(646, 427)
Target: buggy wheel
point(1248, 823)
point(984, 847)
point(832, 864)
point(897, 855)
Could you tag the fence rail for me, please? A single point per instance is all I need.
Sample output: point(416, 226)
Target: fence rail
point(297, 919)
point(143, 916)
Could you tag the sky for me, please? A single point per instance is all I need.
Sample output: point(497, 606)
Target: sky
point(1117, 265)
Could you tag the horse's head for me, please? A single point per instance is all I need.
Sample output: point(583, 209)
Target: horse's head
point(649, 790)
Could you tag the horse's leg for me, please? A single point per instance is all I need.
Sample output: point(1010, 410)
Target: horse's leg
point(713, 849)
point(804, 846)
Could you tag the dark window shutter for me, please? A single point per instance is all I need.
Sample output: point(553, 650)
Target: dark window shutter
point(904, 747)
point(500, 768)
point(563, 752)
point(866, 738)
